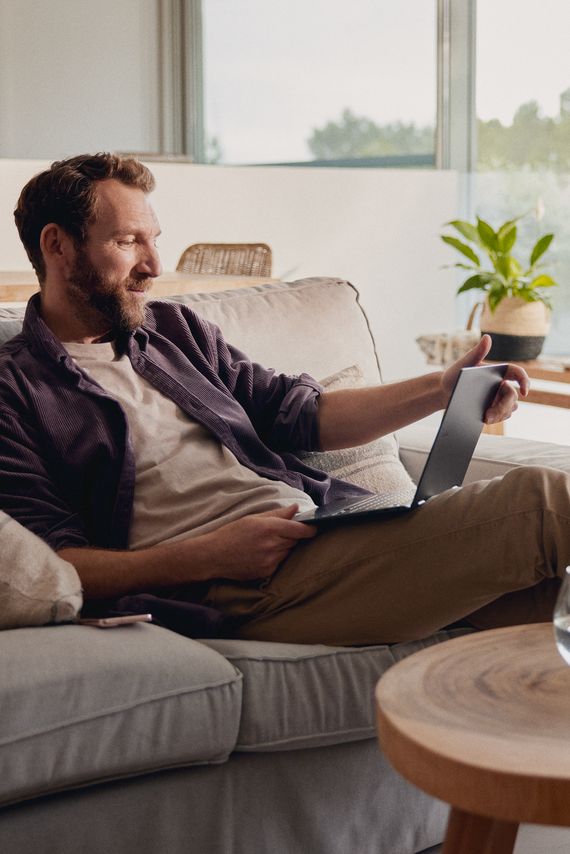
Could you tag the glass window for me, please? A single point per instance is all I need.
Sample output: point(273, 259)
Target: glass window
point(523, 119)
point(320, 80)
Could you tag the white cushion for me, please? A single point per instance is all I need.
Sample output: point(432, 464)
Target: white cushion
point(375, 466)
point(36, 586)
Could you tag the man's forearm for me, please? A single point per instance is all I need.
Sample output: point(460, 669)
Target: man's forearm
point(105, 573)
point(246, 549)
point(351, 417)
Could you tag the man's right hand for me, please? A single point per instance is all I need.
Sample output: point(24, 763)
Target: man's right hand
point(249, 548)
point(253, 546)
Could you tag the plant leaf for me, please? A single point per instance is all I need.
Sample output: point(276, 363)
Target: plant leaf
point(478, 281)
point(542, 281)
point(487, 235)
point(540, 248)
point(467, 229)
point(507, 238)
point(528, 296)
point(461, 247)
point(506, 227)
point(496, 294)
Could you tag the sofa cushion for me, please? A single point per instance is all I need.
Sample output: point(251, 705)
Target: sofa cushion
point(11, 318)
point(314, 325)
point(36, 586)
point(375, 466)
point(304, 695)
point(81, 705)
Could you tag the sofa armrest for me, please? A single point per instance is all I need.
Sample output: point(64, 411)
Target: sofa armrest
point(494, 455)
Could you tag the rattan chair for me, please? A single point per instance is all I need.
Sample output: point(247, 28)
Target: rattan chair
point(238, 259)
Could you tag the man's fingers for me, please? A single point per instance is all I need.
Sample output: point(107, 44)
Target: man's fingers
point(518, 375)
point(282, 512)
point(504, 404)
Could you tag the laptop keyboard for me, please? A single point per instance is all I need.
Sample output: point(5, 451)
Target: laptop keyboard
point(376, 502)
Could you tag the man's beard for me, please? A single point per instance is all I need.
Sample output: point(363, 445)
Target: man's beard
point(104, 302)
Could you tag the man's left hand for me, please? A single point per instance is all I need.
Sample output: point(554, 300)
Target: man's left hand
point(505, 402)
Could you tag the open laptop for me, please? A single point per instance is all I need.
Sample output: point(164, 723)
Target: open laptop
point(448, 458)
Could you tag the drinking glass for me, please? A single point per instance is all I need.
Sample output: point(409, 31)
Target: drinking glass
point(561, 618)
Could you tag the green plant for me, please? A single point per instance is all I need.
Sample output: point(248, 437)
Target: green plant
point(508, 276)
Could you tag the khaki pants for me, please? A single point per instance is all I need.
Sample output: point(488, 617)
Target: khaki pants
point(493, 552)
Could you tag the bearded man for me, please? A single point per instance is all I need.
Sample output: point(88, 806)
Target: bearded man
point(150, 453)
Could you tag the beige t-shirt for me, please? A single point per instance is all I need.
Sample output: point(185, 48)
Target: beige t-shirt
point(187, 483)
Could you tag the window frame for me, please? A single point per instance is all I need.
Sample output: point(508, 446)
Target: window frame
point(182, 90)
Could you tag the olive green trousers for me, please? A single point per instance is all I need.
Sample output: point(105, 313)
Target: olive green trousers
point(491, 553)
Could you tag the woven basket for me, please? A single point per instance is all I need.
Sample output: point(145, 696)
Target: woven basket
point(518, 328)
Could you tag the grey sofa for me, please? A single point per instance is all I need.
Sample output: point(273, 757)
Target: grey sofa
point(140, 740)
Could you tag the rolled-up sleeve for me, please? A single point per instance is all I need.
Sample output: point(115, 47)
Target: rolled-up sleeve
point(296, 424)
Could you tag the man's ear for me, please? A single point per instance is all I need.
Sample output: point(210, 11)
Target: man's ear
point(57, 248)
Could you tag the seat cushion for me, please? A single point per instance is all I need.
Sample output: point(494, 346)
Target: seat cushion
point(81, 705)
point(297, 695)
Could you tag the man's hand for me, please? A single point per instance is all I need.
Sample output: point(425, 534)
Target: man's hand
point(253, 546)
point(505, 402)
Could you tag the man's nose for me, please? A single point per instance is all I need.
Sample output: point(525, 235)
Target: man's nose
point(150, 263)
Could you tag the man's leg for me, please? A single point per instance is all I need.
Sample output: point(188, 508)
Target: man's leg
point(404, 578)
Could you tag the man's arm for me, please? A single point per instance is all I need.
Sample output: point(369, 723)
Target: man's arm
point(249, 548)
point(353, 417)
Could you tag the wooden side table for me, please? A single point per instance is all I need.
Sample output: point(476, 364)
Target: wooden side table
point(483, 722)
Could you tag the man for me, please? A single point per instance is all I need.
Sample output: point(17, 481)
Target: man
point(148, 452)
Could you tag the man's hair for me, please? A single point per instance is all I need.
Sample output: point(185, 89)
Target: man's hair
point(66, 195)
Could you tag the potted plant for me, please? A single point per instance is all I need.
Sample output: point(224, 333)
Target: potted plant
point(516, 311)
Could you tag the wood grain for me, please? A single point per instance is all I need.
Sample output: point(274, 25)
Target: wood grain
point(483, 722)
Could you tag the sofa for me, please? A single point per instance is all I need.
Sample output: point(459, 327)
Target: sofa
point(137, 739)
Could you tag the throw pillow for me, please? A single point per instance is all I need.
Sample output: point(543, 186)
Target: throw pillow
point(36, 586)
point(375, 466)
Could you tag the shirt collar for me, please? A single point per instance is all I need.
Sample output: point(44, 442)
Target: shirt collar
point(38, 332)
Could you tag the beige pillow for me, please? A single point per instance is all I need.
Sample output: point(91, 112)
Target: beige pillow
point(36, 586)
point(375, 466)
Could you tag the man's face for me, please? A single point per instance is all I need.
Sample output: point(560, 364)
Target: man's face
point(114, 268)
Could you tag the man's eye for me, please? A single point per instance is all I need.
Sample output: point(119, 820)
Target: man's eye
point(127, 242)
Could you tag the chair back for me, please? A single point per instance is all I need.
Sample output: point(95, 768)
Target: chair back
point(240, 259)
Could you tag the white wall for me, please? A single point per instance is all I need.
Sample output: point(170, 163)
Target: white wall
point(378, 228)
point(78, 76)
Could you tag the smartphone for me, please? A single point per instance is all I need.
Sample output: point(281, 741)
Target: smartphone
point(110, 622)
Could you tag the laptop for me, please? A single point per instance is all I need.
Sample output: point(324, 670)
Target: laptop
point(448, 458)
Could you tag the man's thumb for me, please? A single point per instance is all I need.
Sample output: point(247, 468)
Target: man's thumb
point(478, 352)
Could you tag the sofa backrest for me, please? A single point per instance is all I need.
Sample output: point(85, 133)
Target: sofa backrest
point(315, 325)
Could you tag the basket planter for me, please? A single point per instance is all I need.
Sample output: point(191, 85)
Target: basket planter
point(518, 329)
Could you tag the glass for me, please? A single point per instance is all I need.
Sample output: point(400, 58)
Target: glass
point(523, 133)
point(561, 619)
point(320, 81)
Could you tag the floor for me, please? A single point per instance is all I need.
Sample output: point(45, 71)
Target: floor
point(533, 839)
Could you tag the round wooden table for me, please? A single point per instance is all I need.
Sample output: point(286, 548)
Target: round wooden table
point(483, 722)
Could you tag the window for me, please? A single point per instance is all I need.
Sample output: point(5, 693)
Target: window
point(321, 81)
point(523, 123)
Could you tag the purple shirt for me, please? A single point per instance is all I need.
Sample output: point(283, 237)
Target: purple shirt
point(67, 468)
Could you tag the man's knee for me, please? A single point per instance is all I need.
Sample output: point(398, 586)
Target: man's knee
point(539, 486)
